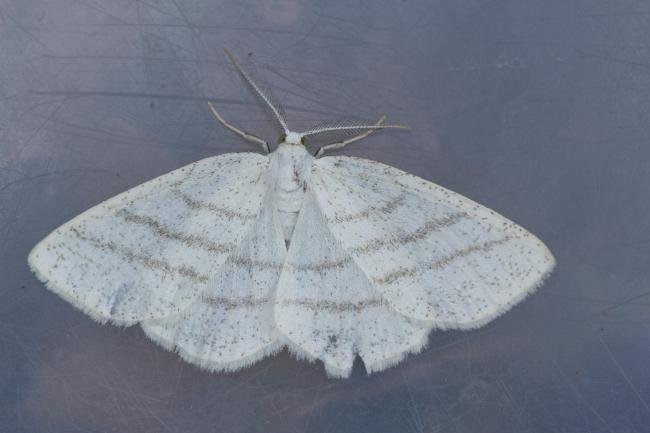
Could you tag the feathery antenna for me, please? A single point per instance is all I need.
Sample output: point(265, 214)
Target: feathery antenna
point(342, 126)
point(261, 93)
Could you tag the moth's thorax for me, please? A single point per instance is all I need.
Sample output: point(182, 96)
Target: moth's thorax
point(291, 164)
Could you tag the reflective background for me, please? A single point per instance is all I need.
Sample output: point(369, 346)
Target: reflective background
point(539, 110)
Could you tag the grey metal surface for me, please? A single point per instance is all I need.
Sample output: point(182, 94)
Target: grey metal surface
point(537, 109)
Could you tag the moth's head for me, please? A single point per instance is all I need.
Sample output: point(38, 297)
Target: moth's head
point(295, 138)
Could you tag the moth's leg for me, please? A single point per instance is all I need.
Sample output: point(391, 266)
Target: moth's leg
point(340, 144)
point(245, 135)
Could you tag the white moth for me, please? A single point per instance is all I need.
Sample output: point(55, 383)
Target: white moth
point(234, 257)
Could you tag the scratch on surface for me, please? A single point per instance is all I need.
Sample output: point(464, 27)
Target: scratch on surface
point(417, 418)
point(175, 97)
point(516, 410)
point(581, 396)
point(26, 30)
point(140, 95)
point(628, 301)
point(53, 173)
point(40, 127)
point(611, 59)
point(143, 58)
point(219, 27)
point(311, 410)
point(622, 371)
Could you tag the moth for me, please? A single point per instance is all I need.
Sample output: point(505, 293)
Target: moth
point(231, 258)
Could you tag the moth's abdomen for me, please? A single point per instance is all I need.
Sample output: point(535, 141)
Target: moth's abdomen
point(289, 204)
